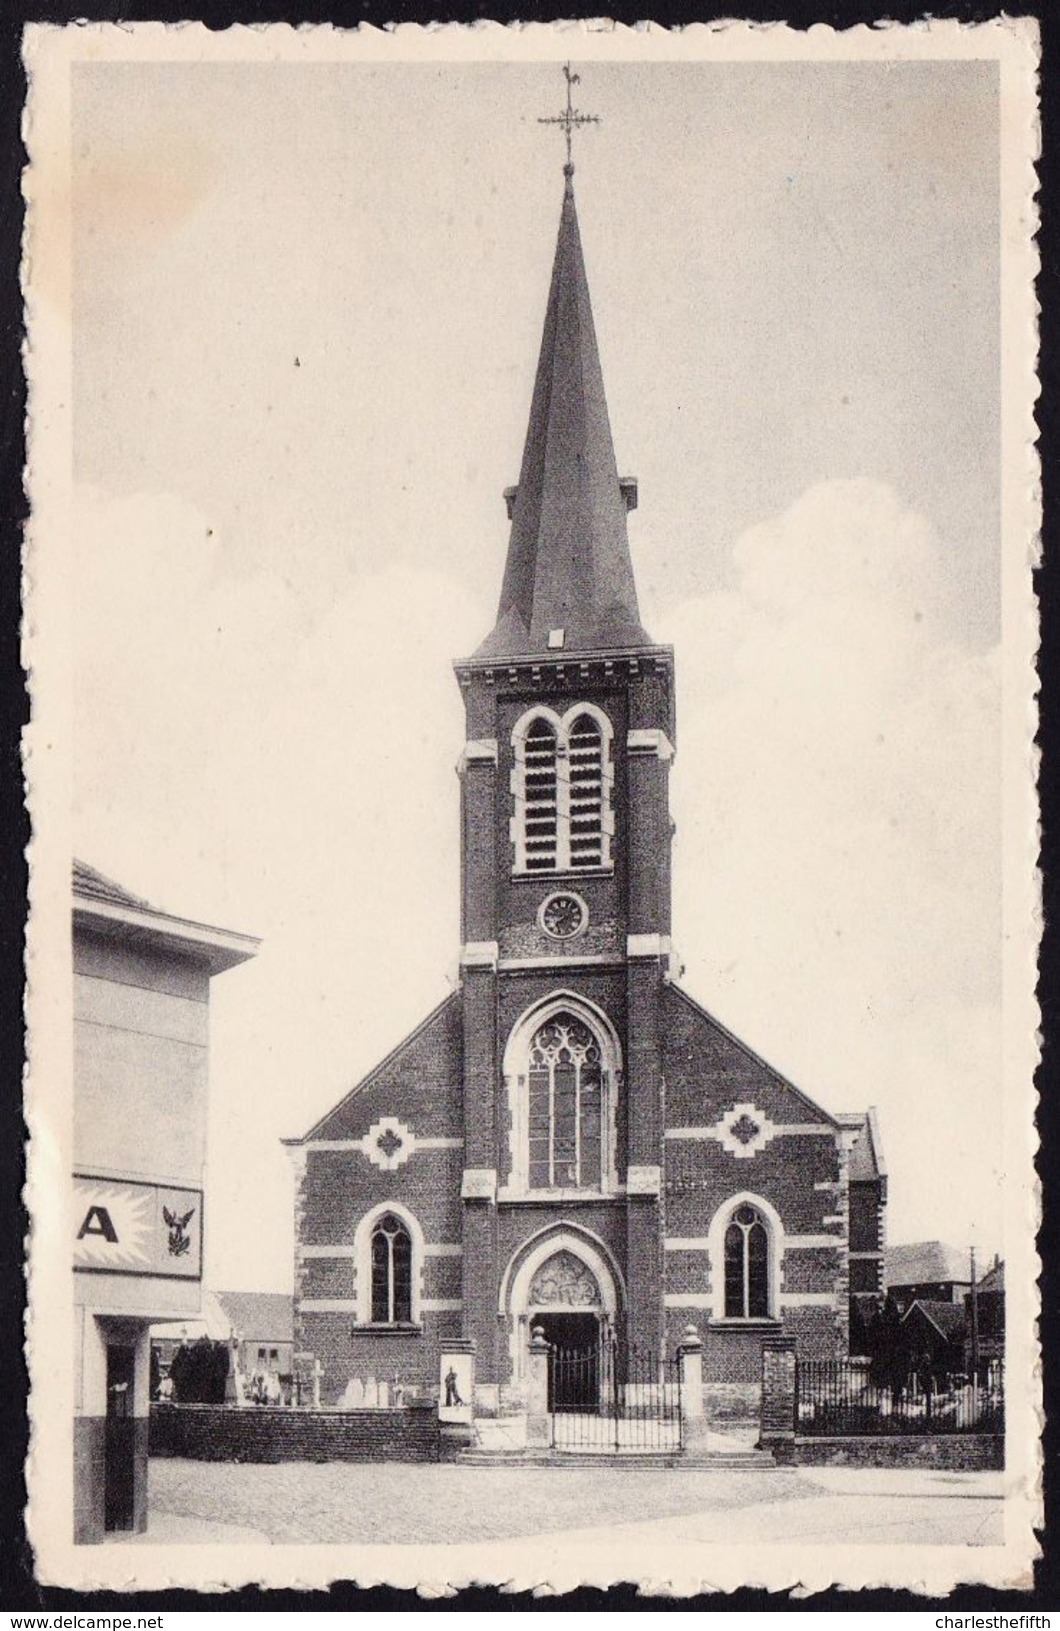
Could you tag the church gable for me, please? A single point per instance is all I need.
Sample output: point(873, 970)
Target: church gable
point(418, 1083)
point(709, 1073)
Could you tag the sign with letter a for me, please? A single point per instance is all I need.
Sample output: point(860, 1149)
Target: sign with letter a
point(126, 1227)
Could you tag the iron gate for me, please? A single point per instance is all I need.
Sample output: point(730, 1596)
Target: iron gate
point(607, 1397)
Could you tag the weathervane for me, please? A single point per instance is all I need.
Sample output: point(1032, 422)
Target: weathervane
point(570, 118)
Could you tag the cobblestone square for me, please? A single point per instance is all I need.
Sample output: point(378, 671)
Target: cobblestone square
point(392, 1503)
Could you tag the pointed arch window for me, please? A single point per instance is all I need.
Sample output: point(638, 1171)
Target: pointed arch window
point(562, 780)
point(747, 1265)
point(391, 1272)
point(562, 1069)
point(565, 1082)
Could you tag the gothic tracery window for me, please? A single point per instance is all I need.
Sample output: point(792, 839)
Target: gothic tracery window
point(565, 1080)
point(563, 820)
point(391, 1272)
point(746, 1265)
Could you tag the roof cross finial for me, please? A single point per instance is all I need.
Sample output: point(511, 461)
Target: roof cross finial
point(570, 118)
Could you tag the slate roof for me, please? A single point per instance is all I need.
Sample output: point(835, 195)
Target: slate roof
point(87, 881)
point(568, 561)
point(947, 1318)
point(925, 1262)
point(993, 1279)
point(259, 1313)
point(112, 909)
point(866, 1156)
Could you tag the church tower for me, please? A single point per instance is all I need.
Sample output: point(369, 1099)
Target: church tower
point(566, 854)
point(569, 1142)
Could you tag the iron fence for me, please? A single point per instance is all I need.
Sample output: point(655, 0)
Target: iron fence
point(606, 1397)
point(835, 1398)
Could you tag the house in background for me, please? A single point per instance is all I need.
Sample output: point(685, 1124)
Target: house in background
point(933, 1335)
point(255, 1326)
point(990, 1315)
point(928, 1271)
point(261, 1324)
point(141, 1010)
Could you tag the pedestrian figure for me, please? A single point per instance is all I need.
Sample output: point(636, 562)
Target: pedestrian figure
point(452, 1392)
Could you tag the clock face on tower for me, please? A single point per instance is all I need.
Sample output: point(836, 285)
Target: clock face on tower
point(563, 915)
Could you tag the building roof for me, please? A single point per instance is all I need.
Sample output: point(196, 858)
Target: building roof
point(925, 1262)
point(93, 885)
point(259, 1313)
point(993, 1279)
point(866, 1154)
point(211, 1322)
point(947, 1318)
point(109, 909)
point(568, 564)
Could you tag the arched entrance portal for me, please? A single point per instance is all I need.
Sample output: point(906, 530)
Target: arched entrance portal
point(565, 1303)
point(564, 1280)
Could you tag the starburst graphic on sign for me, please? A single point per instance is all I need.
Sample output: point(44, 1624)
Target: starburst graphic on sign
point(114, 1225)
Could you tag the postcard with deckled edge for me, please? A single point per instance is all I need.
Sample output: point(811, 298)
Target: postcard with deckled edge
point(612, 1162)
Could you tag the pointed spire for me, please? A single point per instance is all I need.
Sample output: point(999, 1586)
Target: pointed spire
point(568, 565)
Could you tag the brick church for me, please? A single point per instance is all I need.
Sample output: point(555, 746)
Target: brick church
point(569, 1140)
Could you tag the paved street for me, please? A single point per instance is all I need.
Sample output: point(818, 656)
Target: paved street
point(342, 1504)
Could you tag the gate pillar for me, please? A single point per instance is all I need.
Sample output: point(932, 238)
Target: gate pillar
point(537, 1423)
point(693, 1416)
point(779, 1398)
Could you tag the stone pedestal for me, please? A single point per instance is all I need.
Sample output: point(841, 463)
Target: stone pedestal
point(538, 1431)
point(456, 1380)
point(693, 1415)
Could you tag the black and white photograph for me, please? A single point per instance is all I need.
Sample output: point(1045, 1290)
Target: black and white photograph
point(532, 953)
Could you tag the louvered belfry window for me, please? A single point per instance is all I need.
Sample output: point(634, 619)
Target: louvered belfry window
point(562, 786)
point(586, 753)
point(541, 810)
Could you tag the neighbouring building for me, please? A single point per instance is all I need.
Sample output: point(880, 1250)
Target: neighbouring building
point(933, 1335)
point(867, 1178)
point(928, 1271)
point(989, 1316)
point(141, 1004)
point(255, 1326)
point(570, 1141)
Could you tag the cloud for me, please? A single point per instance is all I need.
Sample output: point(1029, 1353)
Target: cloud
point(837, 864)
point(246, 759)
point(242, 762)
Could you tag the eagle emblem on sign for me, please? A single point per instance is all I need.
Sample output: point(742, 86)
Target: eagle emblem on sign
point(179, 1239)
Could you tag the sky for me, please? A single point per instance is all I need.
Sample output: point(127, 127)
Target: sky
point(307, 305)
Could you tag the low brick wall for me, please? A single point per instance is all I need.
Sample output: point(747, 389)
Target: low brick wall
point(964, 1452)
point(201, 1432)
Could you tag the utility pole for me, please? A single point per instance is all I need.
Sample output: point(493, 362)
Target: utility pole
point(975, 1344)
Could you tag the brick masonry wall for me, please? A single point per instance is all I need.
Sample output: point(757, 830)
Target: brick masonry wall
point(965, 1452)
point(801, 1176)
point(408, 1357)
point(778, 1394)
point(420, 1084)
point(217, 1433)
point(514, 899)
